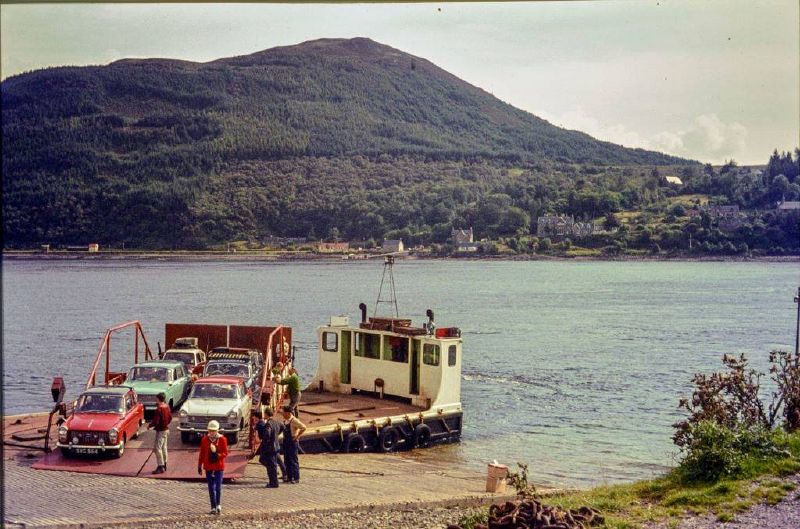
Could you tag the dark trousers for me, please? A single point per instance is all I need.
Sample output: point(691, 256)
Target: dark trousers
point(281, 466)
point(291, 459)
point(270, 460)
point(214, 480)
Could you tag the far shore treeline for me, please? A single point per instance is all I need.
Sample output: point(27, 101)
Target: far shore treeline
point(349, 140)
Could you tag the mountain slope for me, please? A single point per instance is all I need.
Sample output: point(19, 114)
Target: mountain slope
point(136, 148)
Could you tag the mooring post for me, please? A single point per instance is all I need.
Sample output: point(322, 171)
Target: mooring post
point(797, 330)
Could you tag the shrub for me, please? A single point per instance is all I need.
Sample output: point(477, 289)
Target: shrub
point(712, 453)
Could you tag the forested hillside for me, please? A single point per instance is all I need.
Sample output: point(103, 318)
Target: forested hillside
point(348, 137)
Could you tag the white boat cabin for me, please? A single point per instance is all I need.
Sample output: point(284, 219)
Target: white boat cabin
point(388, 357)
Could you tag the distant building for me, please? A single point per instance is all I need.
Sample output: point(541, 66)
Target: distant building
point(674, 180)
point(562, 226)
point(792, 205)
point(333, 247)
point(91, 248)
point(462, 240)
point(392, 245)
point(722, 211)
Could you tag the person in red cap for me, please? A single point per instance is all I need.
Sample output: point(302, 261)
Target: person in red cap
point(213, 451)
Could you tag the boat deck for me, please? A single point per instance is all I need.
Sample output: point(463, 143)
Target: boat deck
point(319, 409)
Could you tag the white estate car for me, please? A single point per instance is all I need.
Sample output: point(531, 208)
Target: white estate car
point(224, 399)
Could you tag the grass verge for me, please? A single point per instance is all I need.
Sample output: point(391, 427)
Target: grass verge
point(671, 497)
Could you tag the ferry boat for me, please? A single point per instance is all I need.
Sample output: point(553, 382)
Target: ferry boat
point(383, 384)
point(380, 384)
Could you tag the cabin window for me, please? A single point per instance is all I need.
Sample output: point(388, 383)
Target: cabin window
point(452, 351)
point(368, 345)
point(330, 341)
point(396, 349)
point(430, 354)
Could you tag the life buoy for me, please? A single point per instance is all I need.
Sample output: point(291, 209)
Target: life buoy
point(354, 443)
point(422, 435)
point(388, 439)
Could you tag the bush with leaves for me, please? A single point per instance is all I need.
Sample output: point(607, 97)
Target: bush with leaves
point(727, 418)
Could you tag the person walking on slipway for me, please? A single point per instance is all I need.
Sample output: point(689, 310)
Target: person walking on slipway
point(160, 423)
point(213, 451)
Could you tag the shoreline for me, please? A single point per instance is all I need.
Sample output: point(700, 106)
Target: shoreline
point(179, 256)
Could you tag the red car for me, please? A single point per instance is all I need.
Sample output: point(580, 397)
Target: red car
point(105, 418)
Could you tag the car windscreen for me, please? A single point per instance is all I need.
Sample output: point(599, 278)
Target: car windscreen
point(186, 358)
point(150, 374)
point(213, 391)
point(236, 370)
point(98, 403)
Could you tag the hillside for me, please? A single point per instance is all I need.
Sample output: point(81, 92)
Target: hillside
point(345, 134)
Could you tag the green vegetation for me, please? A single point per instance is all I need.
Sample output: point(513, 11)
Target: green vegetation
point(332, 134)
point(351, 140)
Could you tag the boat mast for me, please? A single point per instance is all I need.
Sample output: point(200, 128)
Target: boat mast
point(391, 299)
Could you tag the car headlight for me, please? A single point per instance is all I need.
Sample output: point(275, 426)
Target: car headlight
point(183, 414)
point(63, 434)
point(233, 415)
point(113, 435)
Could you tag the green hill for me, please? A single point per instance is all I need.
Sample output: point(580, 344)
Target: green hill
point(345, 134)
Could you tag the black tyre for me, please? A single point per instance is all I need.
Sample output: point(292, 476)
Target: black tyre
point(354, 443)
point(388, 439)
point(422, 435)
point(66, 452)
point(186, 437)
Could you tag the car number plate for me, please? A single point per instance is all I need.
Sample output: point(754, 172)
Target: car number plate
point(86, 450)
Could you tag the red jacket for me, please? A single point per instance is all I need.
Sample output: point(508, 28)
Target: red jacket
point(205, 453)
point(161, 418)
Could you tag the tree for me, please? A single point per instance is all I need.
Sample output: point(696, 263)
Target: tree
point(611, 222)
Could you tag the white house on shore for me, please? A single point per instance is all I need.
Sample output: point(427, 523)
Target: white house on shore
point(392, 245)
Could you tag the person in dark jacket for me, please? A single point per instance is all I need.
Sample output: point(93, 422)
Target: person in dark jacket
point(160, 423)
point(292, 430)
point(213, 451)
point(268, 432)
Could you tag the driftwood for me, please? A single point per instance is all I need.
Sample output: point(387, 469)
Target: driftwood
point(533, 514)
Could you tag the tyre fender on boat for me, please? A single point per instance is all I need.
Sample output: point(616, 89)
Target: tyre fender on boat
point(388, 439)
point(422, 435)
point(354, 443)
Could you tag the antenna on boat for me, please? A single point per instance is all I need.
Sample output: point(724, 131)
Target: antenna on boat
point(391, 299)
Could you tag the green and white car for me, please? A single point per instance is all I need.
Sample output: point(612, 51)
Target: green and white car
point(158, 376)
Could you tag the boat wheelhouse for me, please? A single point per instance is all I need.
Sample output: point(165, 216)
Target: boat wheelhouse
point(383, 384)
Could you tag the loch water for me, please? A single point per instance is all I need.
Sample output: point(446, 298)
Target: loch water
point(572, 367)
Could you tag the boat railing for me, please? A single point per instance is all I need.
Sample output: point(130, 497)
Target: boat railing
point(277, 393)
point(105, 349)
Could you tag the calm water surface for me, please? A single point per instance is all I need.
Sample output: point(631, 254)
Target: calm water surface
point(575, 368)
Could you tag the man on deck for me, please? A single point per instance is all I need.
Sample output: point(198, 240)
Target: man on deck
point(292, 383)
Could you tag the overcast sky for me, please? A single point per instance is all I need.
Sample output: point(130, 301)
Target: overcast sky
point(709, 80)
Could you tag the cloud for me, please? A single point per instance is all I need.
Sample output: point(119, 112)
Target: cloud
point(707, 138)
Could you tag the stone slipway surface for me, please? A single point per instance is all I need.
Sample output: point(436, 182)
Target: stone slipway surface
point(329, 482)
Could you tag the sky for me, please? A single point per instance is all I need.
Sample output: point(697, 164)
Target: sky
point(711, 80)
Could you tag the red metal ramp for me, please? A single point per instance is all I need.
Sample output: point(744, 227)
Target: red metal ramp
point(128, 465)
point(140, 462)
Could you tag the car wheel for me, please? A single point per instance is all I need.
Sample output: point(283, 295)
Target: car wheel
point(171, 407)
point(186, 437)
point(66, 452)
point(233, 438)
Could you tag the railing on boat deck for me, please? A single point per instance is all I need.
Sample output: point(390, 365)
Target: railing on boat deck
point(277, 394)
point(105, 347)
